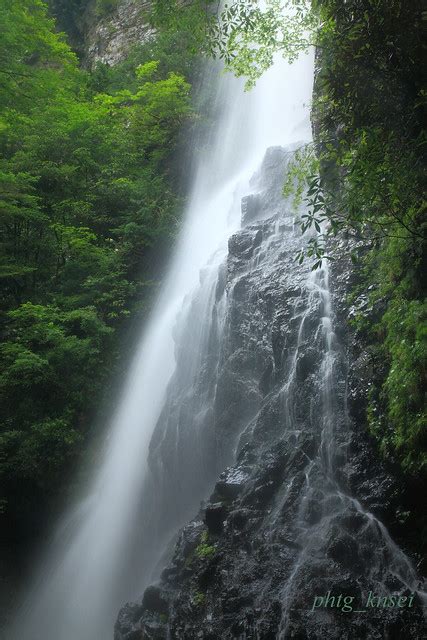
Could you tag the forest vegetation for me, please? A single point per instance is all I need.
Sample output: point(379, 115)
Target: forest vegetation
point(88, 200)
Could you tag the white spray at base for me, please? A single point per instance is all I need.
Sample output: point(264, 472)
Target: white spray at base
point(80, 587)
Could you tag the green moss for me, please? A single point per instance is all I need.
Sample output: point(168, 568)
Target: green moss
point(205, 550)
point(199, 599)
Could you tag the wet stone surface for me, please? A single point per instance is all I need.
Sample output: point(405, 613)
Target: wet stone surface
point(298, 492)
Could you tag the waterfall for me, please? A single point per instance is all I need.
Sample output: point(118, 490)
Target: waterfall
point(85, 575)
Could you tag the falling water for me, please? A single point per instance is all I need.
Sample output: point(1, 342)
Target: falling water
point(83, 579)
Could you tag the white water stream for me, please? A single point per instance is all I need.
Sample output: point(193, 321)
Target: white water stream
point(81, 584)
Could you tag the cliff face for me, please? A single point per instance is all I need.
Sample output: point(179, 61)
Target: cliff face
point(107, 38)
point(360, 303)
point(103, 31)
point(298, 511)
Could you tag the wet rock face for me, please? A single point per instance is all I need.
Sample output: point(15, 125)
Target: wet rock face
point(290, 543)
point(231, 351)
point(268, 186)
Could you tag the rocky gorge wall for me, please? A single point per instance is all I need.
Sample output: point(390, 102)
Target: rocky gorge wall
point(103, 30)
point(298, 508)
point(108, 37)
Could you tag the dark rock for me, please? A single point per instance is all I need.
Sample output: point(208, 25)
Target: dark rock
point(215, 515)
point(127, 620)
point(231, 483)
point(243, 244)
point(154, 600)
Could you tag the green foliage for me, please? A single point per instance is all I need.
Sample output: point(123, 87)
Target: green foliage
point(248, 36)
point(46, 360)
point(87, 196)
point(244, 34)
point(404, 387)
point(204, 550)
point(398, 342)
point(378, 194)
point(301, 170)
point(30, 54)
